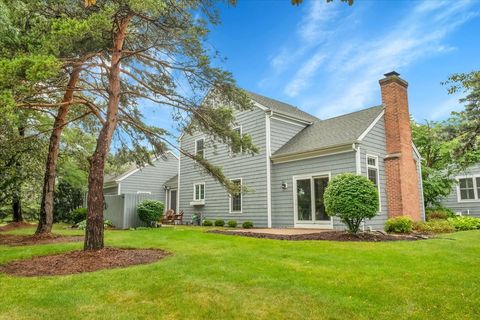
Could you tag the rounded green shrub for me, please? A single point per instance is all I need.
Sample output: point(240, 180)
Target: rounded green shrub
point(219, 223)
point(150, 211)
point(247, 225)
point(232, 224)
point(207, 223)
point(399, 225)
point(352, 198)
point(78, 215)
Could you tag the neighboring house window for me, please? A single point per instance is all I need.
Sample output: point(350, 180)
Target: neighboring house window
point(467, 188)
point(373, 174)
point(200, 148)
point(236, 199)
point(199, 191)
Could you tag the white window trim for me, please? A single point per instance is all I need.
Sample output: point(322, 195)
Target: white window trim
point(475, 189)
point(204, 191)
point(196, 151)
point(309, 224)
point(241, 199)
point(230, 148)
point(377, 167)
point(143, 192)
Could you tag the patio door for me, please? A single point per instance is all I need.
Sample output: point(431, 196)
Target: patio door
point(172, 200)
point(308, 200)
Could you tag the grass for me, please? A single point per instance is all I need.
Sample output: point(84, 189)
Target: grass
point(211, 276)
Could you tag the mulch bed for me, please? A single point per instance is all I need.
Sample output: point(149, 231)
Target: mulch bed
point(26, 240)
point(81, 261)
point(328, 235)
point(16, 225)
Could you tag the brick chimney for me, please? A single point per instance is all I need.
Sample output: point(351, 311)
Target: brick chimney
point(403, 194)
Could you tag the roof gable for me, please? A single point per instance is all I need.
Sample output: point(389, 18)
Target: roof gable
point(282, 107)
point(331, 132)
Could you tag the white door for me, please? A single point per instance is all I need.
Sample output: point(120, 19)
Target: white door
point(309, 209)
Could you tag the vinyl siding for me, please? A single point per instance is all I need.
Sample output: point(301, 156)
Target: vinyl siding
point(251, 169)
point(470, 207)
point(282, 199)
point(374, 143)
point(281, 132)
point(111, 191)
point(152, 178)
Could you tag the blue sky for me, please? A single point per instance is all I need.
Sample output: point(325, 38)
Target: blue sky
point(327, 58)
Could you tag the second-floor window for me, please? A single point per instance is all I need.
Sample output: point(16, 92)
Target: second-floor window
point(199, 191)
point(239, 148)
point(200, 148)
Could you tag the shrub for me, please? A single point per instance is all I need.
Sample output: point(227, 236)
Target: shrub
point(78, 215)
point(399, 225)
point(439, 213)
point(232, 224)
point(219, 223)
point(247, 225)
point(150, 211)
point(465, 223)
point(352, 198)
point(207, 223)
point(82, 225)
point(435, 226)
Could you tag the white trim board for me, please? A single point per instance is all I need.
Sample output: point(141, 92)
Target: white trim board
point(268, 152)
point(370, 127)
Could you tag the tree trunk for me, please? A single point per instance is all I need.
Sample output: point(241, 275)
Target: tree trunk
point(94, 230)
point(16, 198)
point(46, 209)
point(17, 208)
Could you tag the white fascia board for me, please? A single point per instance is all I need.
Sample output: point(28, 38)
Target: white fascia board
point(370, 127)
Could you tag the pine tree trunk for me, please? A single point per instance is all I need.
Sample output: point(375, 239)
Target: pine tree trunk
point(17, 208)
point(46, 209)
point(94, 229)
point(16, 198)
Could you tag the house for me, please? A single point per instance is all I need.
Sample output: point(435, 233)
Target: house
point(465, 196)
point(299, 154)
point(123, 192)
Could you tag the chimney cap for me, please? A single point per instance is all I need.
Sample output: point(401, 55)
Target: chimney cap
point(392, 74)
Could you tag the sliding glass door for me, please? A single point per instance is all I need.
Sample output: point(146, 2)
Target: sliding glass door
point(310, 208)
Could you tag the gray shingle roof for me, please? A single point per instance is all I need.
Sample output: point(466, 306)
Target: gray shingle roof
point(331, 132)
point(282, 107)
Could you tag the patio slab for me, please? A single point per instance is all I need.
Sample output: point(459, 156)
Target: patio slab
point(282, 231)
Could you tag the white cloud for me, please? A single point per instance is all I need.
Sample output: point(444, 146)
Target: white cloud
point(342, 66)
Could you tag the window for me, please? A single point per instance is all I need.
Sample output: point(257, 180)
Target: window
point(236, 198)
point(373, 175)
point(144, 192)
point(199, 191)
point(239, 131)
point(200, 148)
point(372, 169)
point(467, 189)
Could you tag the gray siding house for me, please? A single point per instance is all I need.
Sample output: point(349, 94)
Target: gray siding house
point(465, 196)
point(123, 192)
point(299, 155)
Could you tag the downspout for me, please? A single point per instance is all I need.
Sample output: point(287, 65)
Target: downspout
point(268, 153)
point(358, 166)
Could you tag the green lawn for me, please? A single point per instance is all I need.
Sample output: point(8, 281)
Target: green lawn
point(213, 276)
